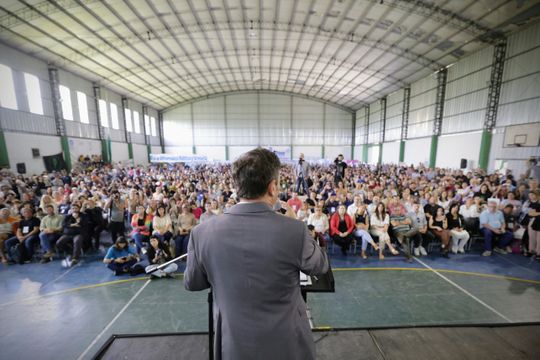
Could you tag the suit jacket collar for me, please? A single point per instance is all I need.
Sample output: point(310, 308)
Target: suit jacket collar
point(244, 208)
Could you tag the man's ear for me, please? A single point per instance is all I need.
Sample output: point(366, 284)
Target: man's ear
point(272, 189)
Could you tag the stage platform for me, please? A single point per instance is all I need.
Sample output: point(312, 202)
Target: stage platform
point(418, 343)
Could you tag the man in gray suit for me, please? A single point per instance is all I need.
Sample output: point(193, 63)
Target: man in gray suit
point(251, 257)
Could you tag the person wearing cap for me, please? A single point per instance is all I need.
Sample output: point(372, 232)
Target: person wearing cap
point(492, 225)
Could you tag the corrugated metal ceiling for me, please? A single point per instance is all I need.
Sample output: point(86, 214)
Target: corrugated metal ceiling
point(345, 52)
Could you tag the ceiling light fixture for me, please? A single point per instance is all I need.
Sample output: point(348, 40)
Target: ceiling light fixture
point(252, 32)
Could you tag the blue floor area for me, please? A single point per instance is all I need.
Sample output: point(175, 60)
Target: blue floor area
point(68, 309)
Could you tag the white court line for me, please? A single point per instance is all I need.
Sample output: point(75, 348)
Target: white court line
point(465, 291)
point(113, 321)
point(62, 275)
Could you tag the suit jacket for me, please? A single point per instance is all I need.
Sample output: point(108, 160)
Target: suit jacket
point(251, 257)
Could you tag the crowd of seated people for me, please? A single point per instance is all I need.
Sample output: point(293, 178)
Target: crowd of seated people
point(150, 212)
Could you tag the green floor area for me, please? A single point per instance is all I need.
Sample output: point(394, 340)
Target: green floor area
point(64, 324)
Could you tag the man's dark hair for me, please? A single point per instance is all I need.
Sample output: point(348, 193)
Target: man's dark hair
point(253, 171)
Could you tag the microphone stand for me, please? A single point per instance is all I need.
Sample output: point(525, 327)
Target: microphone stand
point(210, 307)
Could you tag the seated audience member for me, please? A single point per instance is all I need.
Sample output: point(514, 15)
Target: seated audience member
point(141, 225)
point(158, 253)
point(431, 208)
point(26, 238)
point(96, 223)
point(456, 226)
point(470, 213)
point(320, 223)
point(361, 221)
point(351, 209)
point(419, 222)
point(6, 231)
point(341, 228)
point(511, 200)
point(380, 221)
point(492, 225)
point(534, 223)
point(186, 221)
point(71, 242)
point(120, 257)
point(294, 202)
point(332, 204)
point(438, 225)
point(403, 229)
point(162, 225)
point(51, 230)
point(303, 213)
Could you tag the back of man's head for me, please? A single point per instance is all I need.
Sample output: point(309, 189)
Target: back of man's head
point(253, 172)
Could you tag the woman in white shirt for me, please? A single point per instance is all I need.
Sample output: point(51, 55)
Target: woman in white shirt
point(320, 222)
point(380, 221)
point(162, 225)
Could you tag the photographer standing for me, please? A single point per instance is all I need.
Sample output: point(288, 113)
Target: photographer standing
point(116, 208)
point(340, 168)
point(301, 170)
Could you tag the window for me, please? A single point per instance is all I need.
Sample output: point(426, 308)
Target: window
point(103, 115)
point(65, 100)
point(7, 89)
point(127, 115)
point(146, 125)
point(83, 107)
point(136, 123)
point(153, 125)
point(114, 116)
point(33, 93)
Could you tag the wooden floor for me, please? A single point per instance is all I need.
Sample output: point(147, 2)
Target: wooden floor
point(429, 343)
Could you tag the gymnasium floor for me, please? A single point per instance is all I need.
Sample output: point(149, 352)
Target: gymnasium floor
point(48, 312)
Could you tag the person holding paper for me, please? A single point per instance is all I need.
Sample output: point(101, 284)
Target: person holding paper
point(251, 257)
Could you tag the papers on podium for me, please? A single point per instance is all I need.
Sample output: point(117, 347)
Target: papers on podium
point(305, 279)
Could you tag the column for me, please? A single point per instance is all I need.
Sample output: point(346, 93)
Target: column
point(494, 92)
point(58, 118)
point(404, 122)
point(437, 123)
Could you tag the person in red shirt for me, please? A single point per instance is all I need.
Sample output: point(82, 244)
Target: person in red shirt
point(341, 228)
point(294, 202)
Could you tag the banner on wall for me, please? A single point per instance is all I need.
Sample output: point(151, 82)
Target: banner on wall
point(170, 158)
point(54, 162)
point(282, 153)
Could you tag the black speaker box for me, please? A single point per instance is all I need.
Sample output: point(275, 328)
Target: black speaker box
point(21, 168)
point(463, 164)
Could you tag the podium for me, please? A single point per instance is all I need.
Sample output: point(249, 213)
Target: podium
point(320, 284)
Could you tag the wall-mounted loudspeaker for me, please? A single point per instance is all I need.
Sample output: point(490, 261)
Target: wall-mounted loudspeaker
point(35, 152)
point(21, 168)
point(463, 164)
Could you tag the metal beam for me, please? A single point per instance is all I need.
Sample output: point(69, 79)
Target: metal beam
point(495, 85)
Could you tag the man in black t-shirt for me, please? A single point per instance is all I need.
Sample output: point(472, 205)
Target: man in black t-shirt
point(340, 168)
point(27, 237)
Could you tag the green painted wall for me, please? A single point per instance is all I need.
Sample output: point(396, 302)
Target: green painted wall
point(65, 149)
point(4, 158)
point(433, 151)
point(485, 148)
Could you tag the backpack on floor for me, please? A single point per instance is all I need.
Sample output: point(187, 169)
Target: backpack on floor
point(18, 253)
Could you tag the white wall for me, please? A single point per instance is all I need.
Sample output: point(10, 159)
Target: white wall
point(310, 152)
point(84, 147)
point(212, 152)
point(156, 149)
point(390, 152)
point(452, 148)
point(119, 151)
point(331, 152)
point(258, 119)
point(236, 151)
point(373, 154)
point(19, 148)
point(417, 151)
point(140, 154)
point(358, 151)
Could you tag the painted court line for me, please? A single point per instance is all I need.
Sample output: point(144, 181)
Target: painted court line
point(113, 321)
point(464, 291)
point(62, 275)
